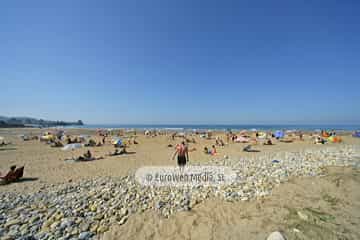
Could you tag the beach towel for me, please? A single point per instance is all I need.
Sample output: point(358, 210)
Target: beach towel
point(334, 139)
point(242, 139)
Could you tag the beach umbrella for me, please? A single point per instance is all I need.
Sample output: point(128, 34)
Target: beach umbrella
point(279, 134)
point(72, 146)
point(356, 134)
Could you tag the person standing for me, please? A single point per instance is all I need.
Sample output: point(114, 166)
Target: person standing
point(182, 153)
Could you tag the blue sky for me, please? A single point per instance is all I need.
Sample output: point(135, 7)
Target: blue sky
point(181, 61)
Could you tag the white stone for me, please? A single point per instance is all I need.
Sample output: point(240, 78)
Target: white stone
point(275, 236)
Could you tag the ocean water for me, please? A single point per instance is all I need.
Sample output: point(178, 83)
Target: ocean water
point(187, 127)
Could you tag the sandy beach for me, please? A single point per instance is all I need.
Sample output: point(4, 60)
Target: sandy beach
point(171, 120)
point(322, 206)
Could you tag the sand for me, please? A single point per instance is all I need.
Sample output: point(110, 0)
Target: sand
point(334, 198)
point(337, 194)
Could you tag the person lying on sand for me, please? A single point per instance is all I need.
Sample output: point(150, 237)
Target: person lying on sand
point(249, 149)
point(87, 157)
point(91, 143)
point(117, 152)
point(70, 141)
point(3, 143)
point(319, 140)
point(286, 140)
point(268, 142)
point(57, 143)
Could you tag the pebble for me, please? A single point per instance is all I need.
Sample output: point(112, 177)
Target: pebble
point(84, 227)
point(123, 220)
point(276, 236)
point(84, 235)
point(302, 216)
point(34, 219)
point(102, 229)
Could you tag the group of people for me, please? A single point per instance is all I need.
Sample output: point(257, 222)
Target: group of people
point(211, 151)
point(219, 142)
point(3, 143)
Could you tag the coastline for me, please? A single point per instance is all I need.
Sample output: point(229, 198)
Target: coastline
point(220, 127)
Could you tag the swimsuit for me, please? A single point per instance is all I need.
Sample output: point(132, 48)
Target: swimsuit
point(181, 160)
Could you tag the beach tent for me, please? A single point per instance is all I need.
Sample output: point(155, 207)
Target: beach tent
point(279, 134)
point(356, 134)
point(72, 146)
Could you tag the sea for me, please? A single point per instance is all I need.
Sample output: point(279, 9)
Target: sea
point(222, 127)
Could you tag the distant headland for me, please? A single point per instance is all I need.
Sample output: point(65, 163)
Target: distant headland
point(18, 122)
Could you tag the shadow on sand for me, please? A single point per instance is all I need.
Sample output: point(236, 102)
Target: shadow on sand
point(129, 153)
point(7, 148)
point(27, 179)
point(252, 150)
